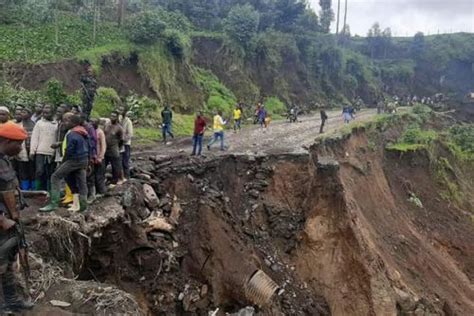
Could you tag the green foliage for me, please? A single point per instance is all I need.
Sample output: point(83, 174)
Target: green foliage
point(461, 139)
point(11, 97)
point(141, 107)
point(275, 106)
point(242, 24)
point(55, 92)
point(175, 20)
point(95, 55)
point(219, 97)
point(38, 43)
point(145, 27)
point(105, 102)
point(417, 136)
point(178, 44)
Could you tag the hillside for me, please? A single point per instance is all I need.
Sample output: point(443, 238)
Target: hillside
point(179, 53)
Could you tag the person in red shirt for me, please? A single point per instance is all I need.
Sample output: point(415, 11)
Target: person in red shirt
point(199, 128)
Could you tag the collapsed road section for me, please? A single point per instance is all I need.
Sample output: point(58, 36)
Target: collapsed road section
point(331, 231)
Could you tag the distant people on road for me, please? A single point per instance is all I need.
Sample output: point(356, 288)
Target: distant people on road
point(167, 121)
point(346, 114)
point(237, 118)
point(218, 129)
point(198, 135)
point(324, 118)
point(262, 115)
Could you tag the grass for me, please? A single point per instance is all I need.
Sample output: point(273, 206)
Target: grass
point(95, 55)
point(37, 44)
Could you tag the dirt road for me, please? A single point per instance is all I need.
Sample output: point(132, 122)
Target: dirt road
point(279, 137)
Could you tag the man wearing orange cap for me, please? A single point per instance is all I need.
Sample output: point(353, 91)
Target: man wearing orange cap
point(12, 137)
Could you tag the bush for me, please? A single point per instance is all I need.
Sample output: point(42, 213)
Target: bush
point(105, 102)
point(55, 92)
point(141, 107)
point(275, 106)
point(463, 136)
point(177, 43)
point(416, 136)
point(145, 27)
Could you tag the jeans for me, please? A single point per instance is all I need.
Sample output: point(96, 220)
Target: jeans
point(117, 171)
point(166, 130)
point(74, 171)
point(321, 129)
point(237, 124)
point(217, 135)
point(44, 167)
point(197, 143)
point(126, 161)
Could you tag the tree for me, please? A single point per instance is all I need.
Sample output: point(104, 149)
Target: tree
point(242, 24)
point(386, 40)
point(345, 16)
point(121, 11)
point(145, 27)
point(374, 39)
point(327, 15)
point(338, 15)
point(418, 45)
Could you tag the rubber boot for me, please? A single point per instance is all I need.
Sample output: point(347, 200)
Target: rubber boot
point(37, 185)
point(75, 203)
point(67, 197)
point(53, 204)
point(82, 203)
point(92, 195)
point(12, 302)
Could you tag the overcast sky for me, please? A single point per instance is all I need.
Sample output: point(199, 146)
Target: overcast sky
point(406, 17)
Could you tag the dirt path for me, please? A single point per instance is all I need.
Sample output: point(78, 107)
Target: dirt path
point(280, 137)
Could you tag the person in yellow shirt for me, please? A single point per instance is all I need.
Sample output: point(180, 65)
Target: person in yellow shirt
point(237, 118)
point(218, 128)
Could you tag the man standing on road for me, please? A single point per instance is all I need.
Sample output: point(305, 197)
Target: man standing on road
point(218, 128)
point(38, 113)
point(89, 89)
point(74, 165)
point(42, 150)
point(114, 139)
point(26, 168)
point(11, 138)
point(324, 118)
point(167, 120)
point(127, 126)
point(199, 128)
point(96, 180)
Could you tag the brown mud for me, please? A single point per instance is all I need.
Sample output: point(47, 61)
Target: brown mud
point(333, 227)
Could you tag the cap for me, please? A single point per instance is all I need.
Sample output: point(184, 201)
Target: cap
point(12, 131)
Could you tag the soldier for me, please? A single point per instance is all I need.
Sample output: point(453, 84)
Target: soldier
point(11, 240)
point(89, 88)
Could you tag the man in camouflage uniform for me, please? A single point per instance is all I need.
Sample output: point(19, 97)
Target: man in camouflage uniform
point(11, 138)
point(89, 88)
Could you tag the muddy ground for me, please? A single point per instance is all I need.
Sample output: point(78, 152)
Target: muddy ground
point(332, 226)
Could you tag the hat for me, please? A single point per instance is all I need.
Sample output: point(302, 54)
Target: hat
point(4, 109)
point(12, 131)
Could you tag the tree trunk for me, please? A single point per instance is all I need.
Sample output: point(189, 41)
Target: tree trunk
point(345, 15)
point(121, 12)
point(338, 14)
point(94, 30)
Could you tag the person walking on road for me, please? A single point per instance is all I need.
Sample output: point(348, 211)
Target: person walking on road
point(218, 129)
point(167, 120)
point(324, 118)
point(237, 118)
point(199, 128)
point(127, 126)
point(262, 115)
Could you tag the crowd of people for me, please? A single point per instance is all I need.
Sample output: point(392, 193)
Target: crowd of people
point(67, 152)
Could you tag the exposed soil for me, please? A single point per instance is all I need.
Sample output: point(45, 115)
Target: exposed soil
point(331, 225)
point(120, 74)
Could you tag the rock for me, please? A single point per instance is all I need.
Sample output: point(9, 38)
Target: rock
point(274, 267)
point(254, 193)
point(180, 296)
point(59, 303)
point(204, 290)
point(190, 177)
point(327, 163)
point(247, 311)
point(151, 199)
point(267, 262)
point(176, 211)
point(143, 176)
point(160, 224)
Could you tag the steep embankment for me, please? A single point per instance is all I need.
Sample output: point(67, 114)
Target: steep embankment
point(349, 229)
